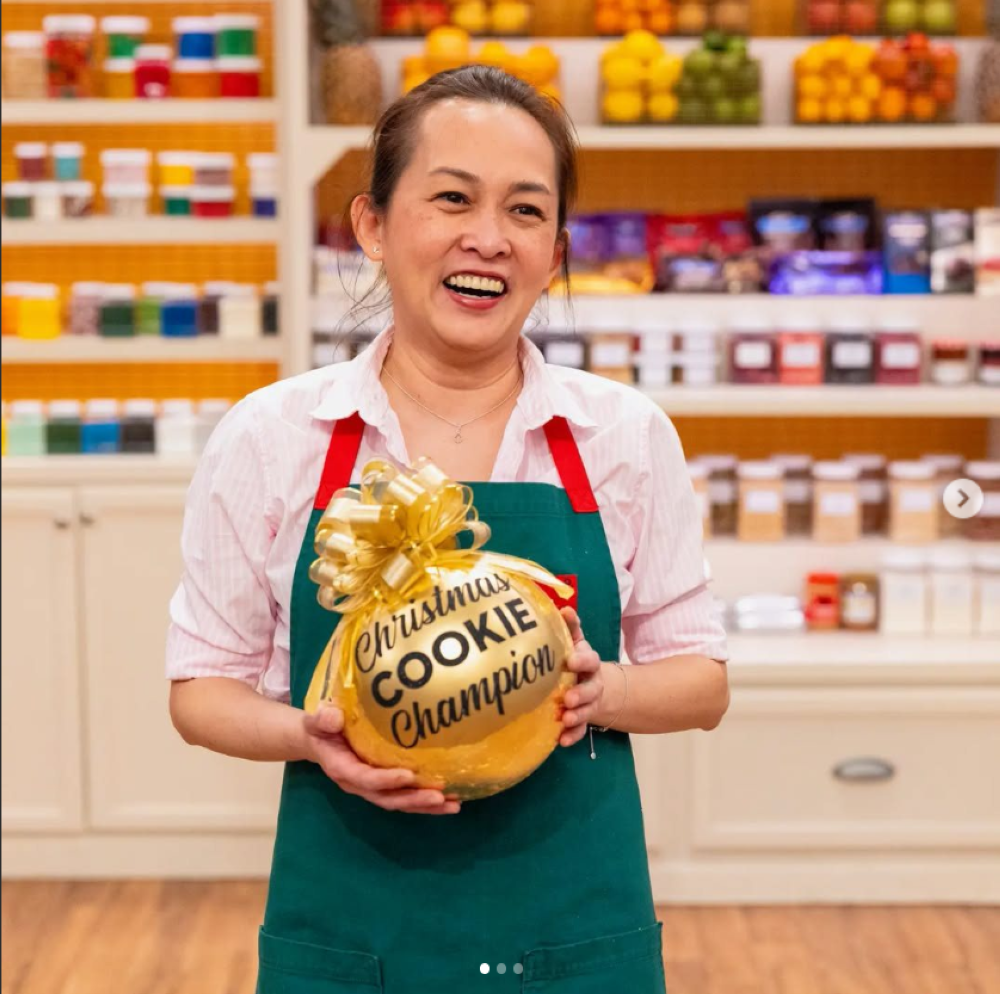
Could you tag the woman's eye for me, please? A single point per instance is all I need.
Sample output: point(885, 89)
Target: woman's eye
point(528, 210)
point(453, 197)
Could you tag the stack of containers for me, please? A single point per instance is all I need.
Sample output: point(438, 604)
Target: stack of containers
point(176, 172)
point(236, 55)
point(263, 183)
point(212, 193)
point(48, 186)
point(123, 36)
point(24, 70)
point(126, 187)
point(32, 310)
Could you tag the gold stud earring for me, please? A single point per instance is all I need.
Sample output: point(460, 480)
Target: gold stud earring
point(376, 249)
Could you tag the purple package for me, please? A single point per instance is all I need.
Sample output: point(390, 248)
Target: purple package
point(590, 244)
point(816, 273)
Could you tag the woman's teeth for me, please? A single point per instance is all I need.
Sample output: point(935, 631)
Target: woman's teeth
point(476, 286)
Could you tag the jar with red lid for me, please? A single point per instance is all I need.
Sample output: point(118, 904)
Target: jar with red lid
point(152, 71)
point(239, 77)
point(69, 54)
point(822, 607)
point(989, 364)
point(212, 201)
point(950, 362)
point(753, 351)
point(800, 351)
point(985, 526)
point(898, 353)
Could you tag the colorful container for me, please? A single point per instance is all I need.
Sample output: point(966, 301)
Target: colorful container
point(26, 428)
point(126, 199)
point(152, 71)
point(85, 308)
point(235, 35)
point(77, 198)
point(176, 168)
point(138, 432)
point(212, 201)
point(213, 168)
point(118, 311)
point(69, 50)
point(39, 313)
point(176, 200)
point(66, 159)
point(179, 311)
point(195, 79)
point(32, 161)
point(124, 34)
point(24, 71)
point(63, 435)
point(101, 430)
point(18, 200)
point(269, 308)
point(194, 37)
point(239, 77)
point(126, 165)
point(119, 79)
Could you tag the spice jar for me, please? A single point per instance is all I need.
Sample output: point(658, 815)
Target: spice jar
point(69, 54)
point(269, 307)
point(118, 310)
point(951, 593)
point(850, 352)
point(903, 593)
point(124, 34)
point(859, 602)
point(18, 200)
point(836, 502)
point(195, 37)
point(101, 431)
point(66, 158)
point(139, 426)
point(39, 313)
point(213, 169)
point(800, 351)
point(212, 201)
point(239, 77)
point(872, 490)
point(148, 319)
point(753, 351)
point(119, 79)
point(239, 313)
point(176, 168)
point(26, 428)
point(208, 308)
point(822, 607)
point(77, 198)
point(698, 473)
point(126, 199)
point(912, 502)
point(152, 71)
point(176, 200)
point(722, 494)
point(951, 362)
point(798, 494)
point(24, 71)
point(989, 364)
point(985, 526)
point(195, 79)
point(32, 161)
point(47, 204)
point(947, 467)
point(63, 430)
point(85, 308)
point(986, 619)
point(235, 35)
point(898, 353)
point(179, 310)
point(125, 165)
point(761, 515)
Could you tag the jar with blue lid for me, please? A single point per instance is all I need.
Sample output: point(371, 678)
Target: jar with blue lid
point(195, 37)
point(179, 311)
point(101, 431)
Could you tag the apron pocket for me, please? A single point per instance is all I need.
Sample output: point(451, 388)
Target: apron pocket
point(631, 961)
point(291, 967)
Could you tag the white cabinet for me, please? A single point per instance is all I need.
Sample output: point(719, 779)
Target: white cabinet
point(42, 770)
point(141, 774)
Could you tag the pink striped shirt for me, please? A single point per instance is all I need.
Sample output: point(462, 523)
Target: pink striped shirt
point(253, 491)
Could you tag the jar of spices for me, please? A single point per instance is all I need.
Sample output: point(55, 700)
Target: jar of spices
point(903, 603)
point(119, 79)
point(126, 199)
point(761, 515)
point(698, 473)
point(695, 369)
point(26, 428)
point(947, 467)
point(139, 426)
point(177, 428)
point(985, 526)
point(66, 159)
point(176, 168)
point(148, 319)
point(208, 309)
point(195, 79)
point(176, 200)
point(118, 310)
point(850, 351)
point(213, 169)
point(212, 201)
point(798, 494)
point(951, 362)
point(951, 593)
point(63, 430)
point(210, 413)
point(563, 349)
point(873, 491)
point(822, 607)
point(239, 78)
point(610, 348)
point(126, 165)
point(986, 619)
point(18, 200)
point(101, 431)
point(753, 351)
point(859, 602)
point(48, 201)
point(69, 54)
point(24, 71)
point(722, 494)
point(269, 308)
point(85, 308)
point(235, 35)
point(836, 502)
point(898, 352)
point(989, 364)
point(152, 71)
point(239, 313)
point(263, 168)
point(32, 161)
point(800, 350)
point(195, 37)
point(39, 314)
point(124, 34)
point(913, 490)
point(179, 311)
point(263, 203)
point(77, 198)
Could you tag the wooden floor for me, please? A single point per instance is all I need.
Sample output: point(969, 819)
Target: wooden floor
point(199, 938)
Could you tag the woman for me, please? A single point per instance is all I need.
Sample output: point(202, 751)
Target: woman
point(544, 887)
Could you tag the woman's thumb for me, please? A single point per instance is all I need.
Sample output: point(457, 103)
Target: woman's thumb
point(328, 719)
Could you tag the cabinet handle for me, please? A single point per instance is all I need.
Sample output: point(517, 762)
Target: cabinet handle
point(864, 769)
point(87, 520)
point(61, 523)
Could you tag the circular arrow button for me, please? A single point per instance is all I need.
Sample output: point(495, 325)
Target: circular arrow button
point(963, 498)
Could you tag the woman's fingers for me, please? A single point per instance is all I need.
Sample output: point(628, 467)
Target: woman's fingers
point(572, 620)
point(583, 693)
point(572, 735)
point(328, 719)
point(413, 801)
point(342, 764)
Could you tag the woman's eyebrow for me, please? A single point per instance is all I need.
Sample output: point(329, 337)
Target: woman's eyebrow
point(524, 186)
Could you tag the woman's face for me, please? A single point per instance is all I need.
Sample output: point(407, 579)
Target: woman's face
point(469, 241)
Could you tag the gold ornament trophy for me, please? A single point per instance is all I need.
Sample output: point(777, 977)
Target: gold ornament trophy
point(447, 661)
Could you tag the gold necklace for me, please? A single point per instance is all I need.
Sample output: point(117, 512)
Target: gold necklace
point(458, 427)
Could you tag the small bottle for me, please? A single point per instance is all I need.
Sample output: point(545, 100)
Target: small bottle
point(952, 590)
point(152, 71)
point(836, 502)
point(822, 607)
point(63, 431)
point(177, 429)
point(859, 602)
point(101, 432)
point(39, 311)
point(118, 310)
point(762, 502)
point(212, 293)
point(179, 310)
point(85, 302)
point(913, 490)
point(139, 426)
point(26, 428)
point(903, 587)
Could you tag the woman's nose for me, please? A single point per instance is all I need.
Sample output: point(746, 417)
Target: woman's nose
point(484, 234)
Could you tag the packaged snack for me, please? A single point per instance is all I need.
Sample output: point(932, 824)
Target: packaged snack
point(953, 254)
point(988, 251)
point(906, 248)
point(826, 273)
point(703, 253)
point(848, 225)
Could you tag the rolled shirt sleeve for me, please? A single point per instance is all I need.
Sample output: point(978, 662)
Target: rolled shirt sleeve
point(671, 610)
point(223, 612)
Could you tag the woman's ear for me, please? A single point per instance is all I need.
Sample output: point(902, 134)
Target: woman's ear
point(367, 227)
point(559, 253)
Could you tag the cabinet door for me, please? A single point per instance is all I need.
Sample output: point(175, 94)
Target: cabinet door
point(142, 775)
point(41, 768)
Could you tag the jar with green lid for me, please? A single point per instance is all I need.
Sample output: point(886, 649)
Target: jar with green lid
point(235, 34)
point(63, 430)
point(124, 34)
point(148, 309)
point(118, 310)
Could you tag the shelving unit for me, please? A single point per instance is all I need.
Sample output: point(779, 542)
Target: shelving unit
point(230, 111)
point(154, 230)
point(153, 349)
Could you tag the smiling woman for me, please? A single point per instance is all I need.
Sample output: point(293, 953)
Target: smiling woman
point(473, 176)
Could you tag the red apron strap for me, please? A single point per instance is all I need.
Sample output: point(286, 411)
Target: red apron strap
point(572, 472)
point(345, 442)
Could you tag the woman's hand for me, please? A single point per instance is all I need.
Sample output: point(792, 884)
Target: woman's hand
point(582, 701)
point(389, 789)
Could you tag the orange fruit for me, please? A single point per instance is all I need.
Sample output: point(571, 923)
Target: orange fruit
point(892, 104)
point(923, 107)
point(870, 86)
point(634, 21)
point(809, 111)
point(660, 22)
point(858, 59)
point(539, 65)
point(859, 109)
point(608, 20)
point(813, 87)
point(943, 90)
point(841, 86)
point(834, 110)
point(945, 60)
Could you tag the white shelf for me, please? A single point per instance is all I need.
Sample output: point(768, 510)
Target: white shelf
point(81, 470)
point(76, 348)
point(138, 111)
point(154, 230)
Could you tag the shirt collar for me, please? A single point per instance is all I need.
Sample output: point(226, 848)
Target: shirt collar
point(359, 390)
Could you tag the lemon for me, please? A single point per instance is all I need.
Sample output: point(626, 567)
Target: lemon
point(622, 106)
point(664, 73)
point(662, 107)
point(811, 62)
point(494, 53)
point(814, 87)
point(622, 74)
point(642, 45)
point(870, 86)
point(615, 51)
point(859, 109)
point(842, 86)
point(858, 59)
point(511, 18)
point(539, 65)
point(809, 110)
point(834, 110)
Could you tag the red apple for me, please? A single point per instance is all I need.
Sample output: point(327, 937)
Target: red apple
point(824, 17)
point(861, 18)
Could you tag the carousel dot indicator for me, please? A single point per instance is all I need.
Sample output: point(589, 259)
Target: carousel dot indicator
point(518, 968)
point(484, 968)
point(502, 968)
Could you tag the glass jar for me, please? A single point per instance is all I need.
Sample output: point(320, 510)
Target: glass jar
point(126, 165)
point(152, 71)
point(18, 200)
point(912, 502)
point(77, 198)
point(212, 201)
point(850, 352)
point(989, 364)
point(179, 310)
point(800, 351)
point(69, 54)
point(85, 308)
point(235, 35)
point(63, 429)
point(951, 595)
point(176, 200)
point(139, 426)
point(836, 502)
point(119, 79)
point(195, 79)
point(213, 169)
point(194, 37)
point(118, 310)
point(26, 428)
point(66, 159)
point(25, 75)
point(126, 199)
point(208, 308)
point(903, 594)
point(822, 607)
point(101, 431)
point(798, 494)
point(859, 602)
point(951, 362)
point(239, 78)
point(898, 353)
point(762, 502)
point(176, 168)
point(48, 201)
point(987, 595)
point(239, 313)
point(753, 351)
point(985, 526)
point(872, 490)
point(148, 308)
point(698, 473)
point(722, 494)
point(124, 34)
point(947, 467)
point(32, 161)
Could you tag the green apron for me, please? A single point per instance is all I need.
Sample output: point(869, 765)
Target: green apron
point(546, 883)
